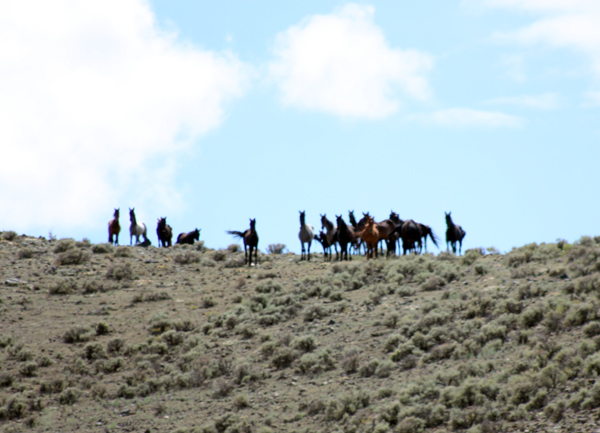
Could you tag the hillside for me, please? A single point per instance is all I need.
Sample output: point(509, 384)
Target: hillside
point(187, 339)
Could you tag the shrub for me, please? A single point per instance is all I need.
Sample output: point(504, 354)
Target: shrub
point(102, 249)
point(276, 249)
point(78, 334)
point(25, 253)
point(70, 396)
point(9, 235)
point(123, 252)
point(434, 282)
point(120, 271)
point(94, 351)
point(187, 258)
point(304, 344)
point(222, 388)
point(532, 316)
point(63, 287)
point(268, 286)
point(234, 248)
point(219, 255)
point(63, 245)
point(283, 357)
point(28, 369)
point(102, 328)
point(313, 312)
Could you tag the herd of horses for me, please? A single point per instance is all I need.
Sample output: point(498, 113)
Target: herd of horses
point(365, 234)
point(368, 234)
point(163, 231)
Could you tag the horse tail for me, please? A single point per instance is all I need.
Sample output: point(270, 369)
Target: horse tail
point(235, 233)
point(433, 237)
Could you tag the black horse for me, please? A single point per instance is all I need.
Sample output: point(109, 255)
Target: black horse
point(454, 234)
point(250, 238)
point(188, 238)
point(345, 236)
point(164, 233)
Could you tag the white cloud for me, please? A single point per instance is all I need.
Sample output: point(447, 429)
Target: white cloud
point(545, 101)
point(469, 118)
point(342, 64)
point(96, 103)
point(573, 24)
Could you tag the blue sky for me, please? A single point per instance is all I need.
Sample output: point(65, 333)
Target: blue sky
point(211, 113)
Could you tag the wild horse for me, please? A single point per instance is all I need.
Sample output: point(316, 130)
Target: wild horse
point(136, 229)
point(114, 228)
point(250, 238)
point(188, 238)
point(164, 233)
point(345, 236)
point(306, 236)
point(454, 234)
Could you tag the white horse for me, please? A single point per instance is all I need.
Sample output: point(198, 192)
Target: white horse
point(136, 229)
point(306, 236)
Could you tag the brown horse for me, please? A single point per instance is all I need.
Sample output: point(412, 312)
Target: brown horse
point(114, 228)
point(164, 233)
point(370, 234)
point(454, 234)
point(250, 238)
point(188, 238)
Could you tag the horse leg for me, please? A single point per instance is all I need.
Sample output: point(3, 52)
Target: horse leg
point(309, 242)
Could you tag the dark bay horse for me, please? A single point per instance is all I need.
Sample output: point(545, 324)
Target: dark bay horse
point(188, 238)
point(322, 239)
point(136, 229)
point(250, 238)
point(331, 233)
point(114, 228)
point(164, 233)
point(426, 231)
point(358, 241)
point(454, 234)
point(345, 236)
point(410, 233)
point(306, 236)
point(394, 237)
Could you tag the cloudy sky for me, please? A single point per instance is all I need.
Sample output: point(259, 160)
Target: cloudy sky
point(211, 113)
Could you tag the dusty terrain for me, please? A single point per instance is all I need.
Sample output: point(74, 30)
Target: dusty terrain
point(187, 339)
